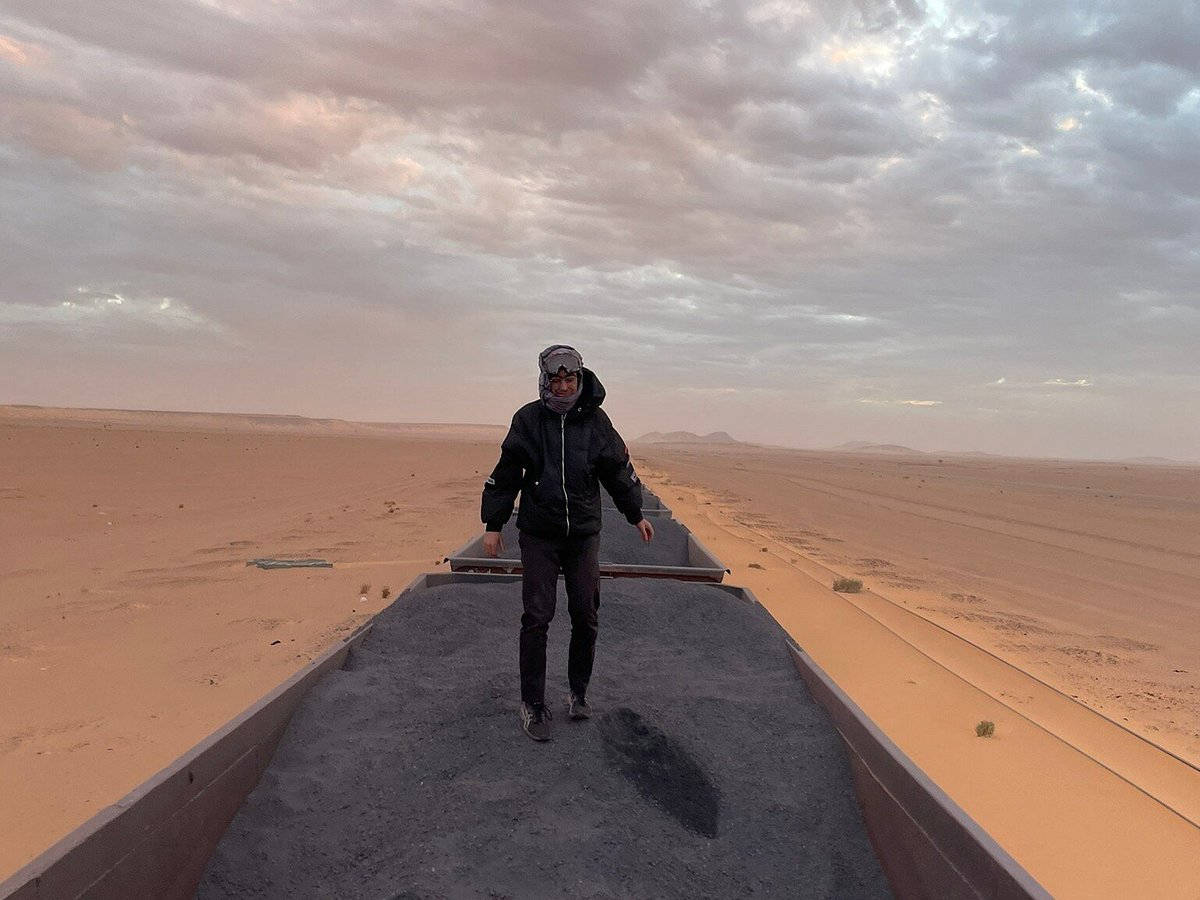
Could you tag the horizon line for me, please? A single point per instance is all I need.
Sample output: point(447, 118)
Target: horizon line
point(1146, 459)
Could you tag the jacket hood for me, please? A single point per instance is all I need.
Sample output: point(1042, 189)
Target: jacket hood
point(593, 390)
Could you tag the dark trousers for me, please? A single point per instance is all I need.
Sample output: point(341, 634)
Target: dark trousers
point(579, 561)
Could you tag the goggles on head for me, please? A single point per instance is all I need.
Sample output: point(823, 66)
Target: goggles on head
point(560, 357)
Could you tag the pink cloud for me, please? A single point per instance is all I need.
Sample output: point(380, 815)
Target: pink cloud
point(56, 128)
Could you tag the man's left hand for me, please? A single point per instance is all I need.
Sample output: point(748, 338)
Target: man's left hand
point(646, 529)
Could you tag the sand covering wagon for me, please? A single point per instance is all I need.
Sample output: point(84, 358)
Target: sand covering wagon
point(709, 771)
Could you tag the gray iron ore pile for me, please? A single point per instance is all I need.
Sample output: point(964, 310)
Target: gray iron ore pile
point(650, 501)
point(620, 542)
point(707, 771)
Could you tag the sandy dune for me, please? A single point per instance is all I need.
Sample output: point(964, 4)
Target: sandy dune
point(1057, 599)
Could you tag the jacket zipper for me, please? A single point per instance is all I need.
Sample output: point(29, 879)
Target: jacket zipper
point(562, 445)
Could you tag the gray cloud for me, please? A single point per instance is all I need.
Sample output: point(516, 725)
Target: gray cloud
point(888, 201)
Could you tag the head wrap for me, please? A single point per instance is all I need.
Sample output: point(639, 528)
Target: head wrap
point(550, 360)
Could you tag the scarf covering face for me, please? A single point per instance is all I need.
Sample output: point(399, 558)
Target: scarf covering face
point(550, 360)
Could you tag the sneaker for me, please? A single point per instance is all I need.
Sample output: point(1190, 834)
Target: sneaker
point(535, 720)
point(577, 707)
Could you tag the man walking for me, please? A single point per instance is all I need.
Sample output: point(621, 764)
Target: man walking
point(558, 451)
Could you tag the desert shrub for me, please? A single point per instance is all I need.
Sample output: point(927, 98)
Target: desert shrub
point(386, 592)
point(847, 585)
point(985, 729)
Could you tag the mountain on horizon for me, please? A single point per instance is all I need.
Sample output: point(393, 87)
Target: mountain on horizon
point(687, 437)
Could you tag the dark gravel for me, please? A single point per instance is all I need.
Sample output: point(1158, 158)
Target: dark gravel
point(620, 542)
point(707, 770)
point(650, 500)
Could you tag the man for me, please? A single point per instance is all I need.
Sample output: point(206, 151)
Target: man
point(559, 450)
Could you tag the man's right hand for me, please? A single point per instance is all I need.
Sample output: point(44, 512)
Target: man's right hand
point(493, 544)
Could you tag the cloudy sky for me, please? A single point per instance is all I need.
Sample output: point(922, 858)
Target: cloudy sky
point(949, 225)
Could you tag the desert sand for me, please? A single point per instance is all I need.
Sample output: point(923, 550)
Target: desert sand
point(1058, 599)
point(1087, 575)
point(130, 624)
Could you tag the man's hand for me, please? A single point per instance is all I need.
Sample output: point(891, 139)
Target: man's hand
point(493, 544)
point(647, 530)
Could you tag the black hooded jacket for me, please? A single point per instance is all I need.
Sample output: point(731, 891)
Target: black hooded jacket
point(557, 464)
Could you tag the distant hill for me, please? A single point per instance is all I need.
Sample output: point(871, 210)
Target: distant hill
point(687, 437)
point(868, 447)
